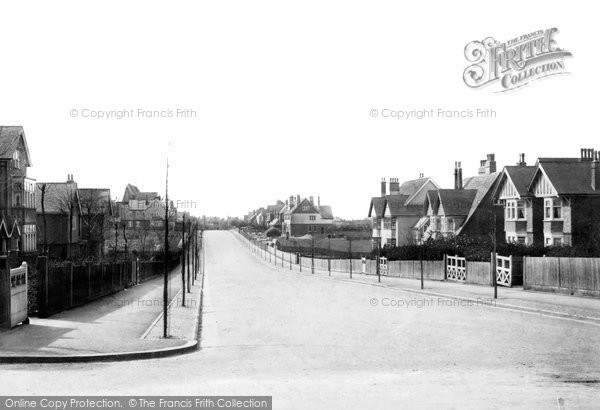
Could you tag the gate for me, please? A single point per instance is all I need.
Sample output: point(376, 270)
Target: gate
point(504, 270)
point(18, 295)
point(383, 265)
point(456, 268)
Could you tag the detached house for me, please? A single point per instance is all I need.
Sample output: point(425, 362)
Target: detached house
point(394, 216)
point(17, 193)
point(467, 210)
point(569, 189)
point(304, 217)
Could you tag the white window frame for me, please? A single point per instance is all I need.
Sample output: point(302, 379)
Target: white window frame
point(550, 205)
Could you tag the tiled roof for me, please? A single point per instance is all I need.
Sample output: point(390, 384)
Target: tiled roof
point(568, 175)
point(326, 212)
point(521, 177)
point(409, 188)
point(456, 202)
point(397, 207)
point(9, 141)
point(377, 205)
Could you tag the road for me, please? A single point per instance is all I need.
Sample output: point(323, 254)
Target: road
point(311, 342)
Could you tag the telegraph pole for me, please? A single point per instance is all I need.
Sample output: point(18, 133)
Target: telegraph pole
point(166, 257)
point(350, 254)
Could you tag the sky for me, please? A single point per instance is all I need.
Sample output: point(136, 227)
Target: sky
point(279, 95)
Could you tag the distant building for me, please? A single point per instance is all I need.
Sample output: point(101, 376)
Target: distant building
point(96, 217)
point(17, 193)
point(61, 211)
point(304, 216)
point(394, 216)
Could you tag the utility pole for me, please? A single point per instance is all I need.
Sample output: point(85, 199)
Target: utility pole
point(494, 260)
point(350, 256)
point(166, 257)
point(188, 248)
point(378, 256)
point(421, 259)
point(183, 262)
point(312, 256)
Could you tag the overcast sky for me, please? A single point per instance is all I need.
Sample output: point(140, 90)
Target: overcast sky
point(282, 94)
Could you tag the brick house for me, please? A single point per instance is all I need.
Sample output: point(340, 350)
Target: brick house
point(62, 214)
point(394, 216)
point(466, 210)
point(304, 217)
point(17, 193)
point(569, 189)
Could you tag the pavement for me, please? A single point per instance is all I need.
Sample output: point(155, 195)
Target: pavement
point(579, 308)
point(312, 342)
point(122, 326)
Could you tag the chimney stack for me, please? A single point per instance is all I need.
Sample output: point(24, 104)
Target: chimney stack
point(394, 186)
point(312, 200)
point(421, 175)
point(458, 175)
point(488, 165)
point(319, 201)
point(587, 154)
point(298, 199)
point(291, 201)
point(521, 162)
point(596, 171)
point(383, 189)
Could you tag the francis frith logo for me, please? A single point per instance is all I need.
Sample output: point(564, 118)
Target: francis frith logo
point(515, 63)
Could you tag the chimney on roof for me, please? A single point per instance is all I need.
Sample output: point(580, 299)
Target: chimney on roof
point(596, 171)
point(394, 186)
point(458, 175)
point(488, 165)
point(521, 162)
point(319, 201)
point(383, 189)
point(421, 175)
point(69, 178)
point(587, 154)
point(312, 200)
point(291, 200)
point(297, 199)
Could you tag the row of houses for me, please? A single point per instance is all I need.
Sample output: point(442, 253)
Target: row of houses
point(62, 217)
point(295, 217)
point(554, 202)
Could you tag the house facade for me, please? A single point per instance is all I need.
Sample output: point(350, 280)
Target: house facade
point(394, 216)
point(305, 217)
point(523, 221)
point(17, 193)
point(569, 191)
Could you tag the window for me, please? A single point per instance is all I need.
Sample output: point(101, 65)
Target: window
point(387, 223)
point(521, 240)
point(557, 241)
point(312, 217)
point(520, 209)
point(16, 159)
point(305, 207)
point(393, 223)
point(553, 208)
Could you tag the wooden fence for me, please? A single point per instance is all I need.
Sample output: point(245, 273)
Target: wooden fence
point(69, 285)
point(575, 276)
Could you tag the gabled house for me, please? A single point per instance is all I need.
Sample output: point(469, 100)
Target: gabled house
point(570, 191)
point(467, 210)
point(522, 209)
point(17, 193)
point(273, 213)
point(394, 216)
point(304, 217)
point(59, 218)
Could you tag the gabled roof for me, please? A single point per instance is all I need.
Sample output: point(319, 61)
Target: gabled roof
point(397, 206)
point(519, 176)
point(57, 197)
point(305, 202)
point(412, 188)
point(10, 137)
point(483, 184)
point(377, 205)
point(569, 176)
point(132, 192)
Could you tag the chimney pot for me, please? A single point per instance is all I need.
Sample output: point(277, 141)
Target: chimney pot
point(383, 188)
